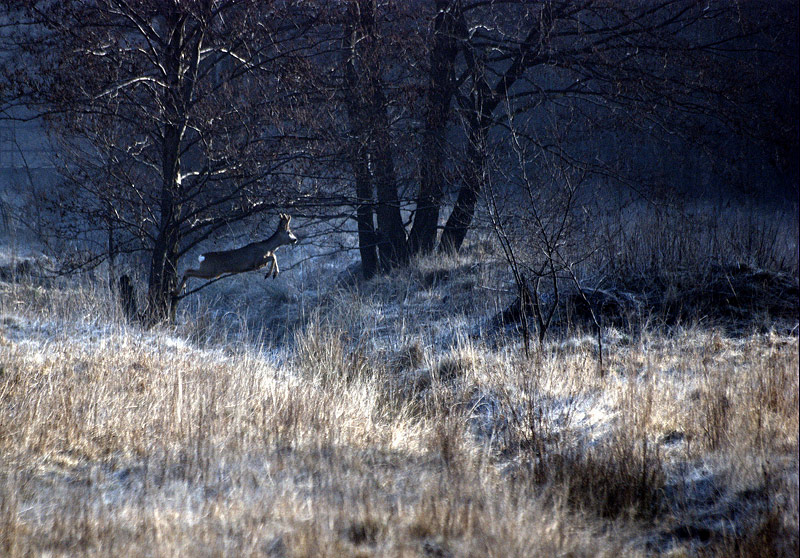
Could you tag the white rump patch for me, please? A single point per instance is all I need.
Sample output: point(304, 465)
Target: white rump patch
point(200, 258)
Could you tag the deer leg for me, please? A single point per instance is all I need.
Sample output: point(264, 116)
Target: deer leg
point(184, 279)
point(179, 289)
point(271, 264)
point(275, 266)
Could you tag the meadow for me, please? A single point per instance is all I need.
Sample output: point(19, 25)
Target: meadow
point(320, 415)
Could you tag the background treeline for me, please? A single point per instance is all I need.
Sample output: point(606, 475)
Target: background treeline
point(175, 122)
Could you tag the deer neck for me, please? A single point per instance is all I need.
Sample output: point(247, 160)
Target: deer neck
point(272, 242)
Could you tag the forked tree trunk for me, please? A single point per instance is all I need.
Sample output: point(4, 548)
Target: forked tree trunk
point(485, 100)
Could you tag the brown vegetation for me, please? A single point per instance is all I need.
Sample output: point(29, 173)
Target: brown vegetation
point(372, 434)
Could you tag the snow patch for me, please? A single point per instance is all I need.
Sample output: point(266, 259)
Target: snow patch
point(200, 258)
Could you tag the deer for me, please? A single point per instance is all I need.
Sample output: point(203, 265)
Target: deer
point(240, 260)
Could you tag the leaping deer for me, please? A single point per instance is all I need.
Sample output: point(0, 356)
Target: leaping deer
point(247, 258)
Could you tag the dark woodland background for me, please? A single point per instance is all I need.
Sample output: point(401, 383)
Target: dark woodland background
point(165, 126)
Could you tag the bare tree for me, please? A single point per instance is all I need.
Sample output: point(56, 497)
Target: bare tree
point(535, 216)
point(640, 72)
point(673, 74)
point(173, 119)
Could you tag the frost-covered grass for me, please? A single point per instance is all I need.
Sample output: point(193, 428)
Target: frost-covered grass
point(389, 419)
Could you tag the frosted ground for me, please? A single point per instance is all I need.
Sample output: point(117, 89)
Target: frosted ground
point(315, 415)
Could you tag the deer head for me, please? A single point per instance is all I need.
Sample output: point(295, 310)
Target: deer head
point(283, 229)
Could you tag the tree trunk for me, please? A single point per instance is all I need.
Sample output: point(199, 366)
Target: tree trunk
point(479, 120)
point(485, 100)
point(460, 219)
point(367, 244)
point(112, 256)
point(440, 92)
point(392, 244)
point(126, 294)
point(359, 151)
point(163, 279)
point(370, 129)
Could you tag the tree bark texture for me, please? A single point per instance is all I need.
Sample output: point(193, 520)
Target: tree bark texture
point(440, 93)
point(455, 230)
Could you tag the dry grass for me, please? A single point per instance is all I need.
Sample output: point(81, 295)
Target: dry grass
point(389, 426)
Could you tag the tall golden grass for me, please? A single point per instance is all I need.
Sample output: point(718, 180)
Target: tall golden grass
point(375, 431)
